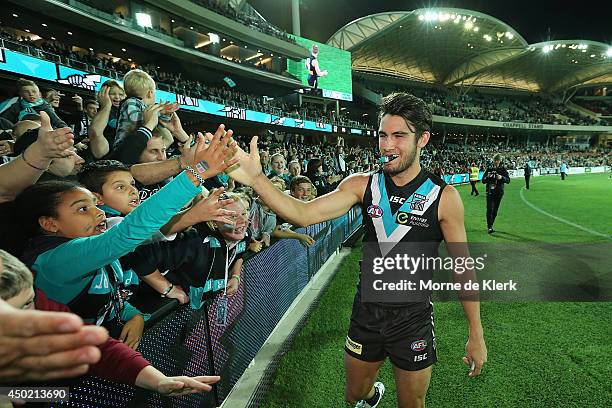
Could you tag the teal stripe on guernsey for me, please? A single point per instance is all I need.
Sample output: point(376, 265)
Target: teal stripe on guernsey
point(64, 271)
point(389, 217)
point(197, 293)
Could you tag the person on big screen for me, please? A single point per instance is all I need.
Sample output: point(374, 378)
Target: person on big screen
point(312, 65)
point(67, 228)
point(402, 332)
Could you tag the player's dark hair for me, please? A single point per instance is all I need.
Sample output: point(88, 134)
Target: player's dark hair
point(414, 110)
point(93, 175)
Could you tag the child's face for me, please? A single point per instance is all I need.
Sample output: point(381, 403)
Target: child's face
point(119, 192)
point(77, 216)
point(29, 93)
point(116, 96)
point(302, 191)
point(23, 300)
point(237, 231)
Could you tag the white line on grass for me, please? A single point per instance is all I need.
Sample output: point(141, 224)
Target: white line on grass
point(563, 220)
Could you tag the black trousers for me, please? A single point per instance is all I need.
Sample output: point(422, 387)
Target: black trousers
point(474, 191)
point(527, 181)
point(563, 174)
point(493, 201)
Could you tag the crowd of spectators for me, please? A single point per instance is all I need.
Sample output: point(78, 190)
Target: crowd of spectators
point(256, 23)
point(604, 107)
point(452, 158)
point(175, 82)
point(475, 105)
point(149, 212)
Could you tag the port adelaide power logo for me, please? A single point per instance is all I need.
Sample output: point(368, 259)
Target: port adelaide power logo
point(417, 202)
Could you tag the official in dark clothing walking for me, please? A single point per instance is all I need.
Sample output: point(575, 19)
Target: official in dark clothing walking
point(527, 170)
point(495, 178)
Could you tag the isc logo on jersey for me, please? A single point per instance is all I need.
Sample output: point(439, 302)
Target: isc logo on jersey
point(418, 345)
point(375, 211)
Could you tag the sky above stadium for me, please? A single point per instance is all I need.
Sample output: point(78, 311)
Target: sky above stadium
point(535, 20)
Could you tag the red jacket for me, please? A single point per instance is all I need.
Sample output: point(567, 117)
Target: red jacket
point(118, 362)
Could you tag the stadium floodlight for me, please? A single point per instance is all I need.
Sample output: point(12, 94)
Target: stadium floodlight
point(546, 49)
point(421, 17)
point(214, 38)
point(476, 29)
point(609, 52)
point(468, 25)
point(144, 20)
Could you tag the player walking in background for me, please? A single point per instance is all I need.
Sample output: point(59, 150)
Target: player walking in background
point(527, 171)
point(401, 331)
point(494, 177)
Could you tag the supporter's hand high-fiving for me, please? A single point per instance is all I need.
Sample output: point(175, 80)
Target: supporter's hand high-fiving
point(216, 151)
point(53, 143)
point(212, 208)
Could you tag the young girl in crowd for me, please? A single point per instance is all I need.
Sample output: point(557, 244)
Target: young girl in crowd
point(74, 256)
point(205, 260)
point(118, 362)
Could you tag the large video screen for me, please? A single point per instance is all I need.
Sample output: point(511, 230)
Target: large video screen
point(335, 65)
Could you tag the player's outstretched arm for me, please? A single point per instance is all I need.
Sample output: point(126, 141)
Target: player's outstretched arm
point(326, 207)
point(450, 213)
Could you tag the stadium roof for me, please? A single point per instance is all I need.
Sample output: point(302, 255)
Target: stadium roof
point(450, 46)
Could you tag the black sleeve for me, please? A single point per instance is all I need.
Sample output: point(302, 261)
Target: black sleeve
point(129, 151)
point(505, 176)
point(485, 176)
point(12, 113)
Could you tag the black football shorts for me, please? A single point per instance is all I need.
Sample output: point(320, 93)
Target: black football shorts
point(405, 334)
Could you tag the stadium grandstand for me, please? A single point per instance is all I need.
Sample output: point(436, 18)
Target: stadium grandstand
point(175, 261)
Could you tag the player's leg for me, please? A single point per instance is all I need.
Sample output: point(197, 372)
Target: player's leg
point(411, 346)
point(360, 378)
point(364, 353)
point(411, 387)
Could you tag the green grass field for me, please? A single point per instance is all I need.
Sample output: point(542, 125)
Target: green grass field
point(541, 354)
